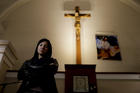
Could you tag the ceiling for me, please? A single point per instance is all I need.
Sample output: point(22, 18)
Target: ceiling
point(7, 6)
point(4, 4)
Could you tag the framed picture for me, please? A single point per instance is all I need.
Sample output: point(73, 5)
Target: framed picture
point(80, 84)
point(108, 47)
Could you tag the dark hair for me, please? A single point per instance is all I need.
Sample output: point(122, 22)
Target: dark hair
point(48, 54)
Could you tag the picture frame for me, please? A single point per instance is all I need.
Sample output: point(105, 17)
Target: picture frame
point(80, 84)
point(107, 47)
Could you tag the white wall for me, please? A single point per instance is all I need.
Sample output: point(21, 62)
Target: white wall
point(45, 18)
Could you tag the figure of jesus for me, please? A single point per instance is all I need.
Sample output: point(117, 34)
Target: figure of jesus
point(77, 25)
point(77, 17)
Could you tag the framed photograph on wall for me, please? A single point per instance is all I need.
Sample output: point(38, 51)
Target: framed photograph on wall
point(107, 47)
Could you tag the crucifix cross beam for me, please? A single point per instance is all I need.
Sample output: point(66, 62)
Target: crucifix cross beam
point(77, 16)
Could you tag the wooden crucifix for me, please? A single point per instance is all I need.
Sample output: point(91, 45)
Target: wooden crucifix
point(77, 25)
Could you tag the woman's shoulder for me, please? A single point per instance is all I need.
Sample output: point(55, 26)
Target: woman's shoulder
point(53, 59)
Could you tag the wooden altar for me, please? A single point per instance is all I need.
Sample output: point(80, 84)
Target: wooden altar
point(80, 78)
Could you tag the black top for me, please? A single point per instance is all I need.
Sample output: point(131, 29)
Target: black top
point(38, 75)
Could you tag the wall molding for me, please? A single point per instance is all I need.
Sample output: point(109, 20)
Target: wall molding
point(132, 4)
point(99, 75)
point(11, 8)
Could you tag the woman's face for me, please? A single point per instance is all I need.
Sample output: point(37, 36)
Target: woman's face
point(42, 48)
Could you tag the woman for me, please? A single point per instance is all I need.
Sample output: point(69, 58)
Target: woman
point(38, 72)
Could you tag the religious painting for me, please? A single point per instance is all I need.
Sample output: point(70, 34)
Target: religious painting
point(108, 47)
point(80, 84)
